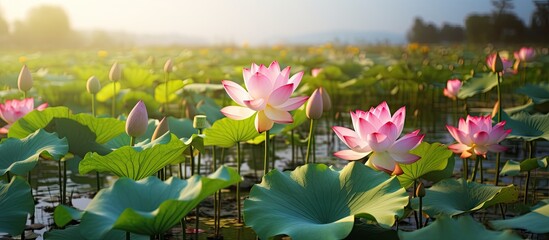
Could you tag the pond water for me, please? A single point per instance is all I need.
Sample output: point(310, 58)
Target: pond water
point(431, 121)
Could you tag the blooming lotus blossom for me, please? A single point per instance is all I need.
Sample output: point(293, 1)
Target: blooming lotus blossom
point(13, 110)
point(452, 88)
point(376, 132)
point(525, 54)
point(476, 136)
point(268, 94)
point(506, 67)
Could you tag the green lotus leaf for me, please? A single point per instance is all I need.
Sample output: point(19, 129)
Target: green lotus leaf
point(202, 87)
point(360, 230)
point(73, 232)
point(227, 132)
point(464, 227)
point(80, 138)
point(136, 78)
point(181, 127)
point(15, 203)
point(103, 128)
point(136, 162)
point(318, 202)
point(434, 157)
point(124, 139)
point(454, 197)
point(107, 92)
point(479, 83)
point(197, 141)
point(62, 215)
point(20, 156)
point(538, 93)
point(211, 110)
point(526, 126)
point(514, 168)
point(534, 221)
point(173, 86)
point(150, 206)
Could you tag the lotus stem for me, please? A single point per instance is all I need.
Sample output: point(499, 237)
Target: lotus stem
point(466, 107)
point(29, 178)
point(128, 235)
point(498, 156)
point(238, 162)
point(24, 94)
point(310, 142)
point(23, 235)
point(456, 112)
point(528, 173)
point(191, 159)
point(420, 214)
point(64, 182)
point(8, 177)
point(266, 159)
point(166, 78)
point(60, 181)
point(183, 228)
point(292, 139)
point(216, 197)
point(465, 168)
point(481, 171)
point(272, 152)
point(474, 174)
point(113, 111)
point(132, 141)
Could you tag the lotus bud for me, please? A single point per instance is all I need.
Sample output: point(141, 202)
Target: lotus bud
point(326, 100)
point(24, 82)
point(116, 72)
point(314, 105)
point(168, 66)
point(316, 71)
point(420, 190)
point(495, 110)
point(498, 64)
point(93, 85)
point(138, 120)
point(200, 122)
point(162, 128)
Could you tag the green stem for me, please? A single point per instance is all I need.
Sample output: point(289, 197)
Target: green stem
point(8, 175)
point(310, 141)
point(128, 236)
point(498, 155)
point(113, 111)
point(199, 157)
point(132, 141)
point(292, 139)
point(238, 162)
point(481, 171)
point(266, 159)
point(192, 159)
point(500, 78)
point(64, 182)
point(24, 94)
point(166, 78)
point(420, 214)
point(530, 146)
point(184, 228)
point(465, 168)
point(60, 181)
point(474, 174)
point(93, 105)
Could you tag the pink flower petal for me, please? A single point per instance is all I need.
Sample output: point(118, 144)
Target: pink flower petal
point(246, 74)
point(278, 116)
point(398, 119)
point(259, 86)
point(292, 103)
point(296, 79)
point(379, 142)
point(390, 130)
point(262, 122)
point(273, 71)
point(341, 132)
point(256, 104)
point(407, 143)
point(496, 148)
point(237, 113)
point(281, 94)
point(236, 92)
point(364, 128)
point(404, 157)
point(350, 155)
point(481, 138)
point(282, 78)
point(356, 144)
point(459, 148)
point(382, 161)
point(383, 113)
point(42, 106)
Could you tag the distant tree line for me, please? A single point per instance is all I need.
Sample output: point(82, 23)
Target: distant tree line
point(500, 26)
point(48, 27)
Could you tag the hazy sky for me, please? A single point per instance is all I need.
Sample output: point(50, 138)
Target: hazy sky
point(257, 20)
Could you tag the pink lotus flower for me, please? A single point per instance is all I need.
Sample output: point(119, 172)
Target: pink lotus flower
point(268, 94)
point(13, 110)
point(376, 132)
point(491, 62)
point(525, 54)
point(138, 120)
point(476, 136)
point(316, 71)
point(452, 88)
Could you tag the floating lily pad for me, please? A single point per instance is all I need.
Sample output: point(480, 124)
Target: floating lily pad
point(535, 221)
point(73, 232)
point(107, 92)
point(464, 227)
point(20, 156)
point(514, 168)
point(173, 86)
point(318, 202)
point(62, 215)
point(526, 126)
point(227, 132)
point(16, 203)
point(538, 93)
point(455, 197)
point(479, 83)
point(136, 162)
point(149, 206)
point(434, 157)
